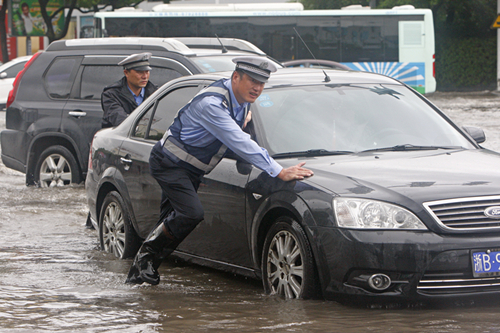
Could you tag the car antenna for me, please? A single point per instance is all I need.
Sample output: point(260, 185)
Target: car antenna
point(224, 50)
point(327, 78)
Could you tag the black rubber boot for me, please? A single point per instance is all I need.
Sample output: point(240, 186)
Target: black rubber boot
point(149, 257)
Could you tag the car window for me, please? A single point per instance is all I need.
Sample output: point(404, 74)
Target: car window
point(164, 111)
point(59, 79)
point(95, 78)
point(161, 75)
point(13, 70)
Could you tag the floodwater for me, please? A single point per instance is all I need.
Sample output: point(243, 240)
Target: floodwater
point(53, 277)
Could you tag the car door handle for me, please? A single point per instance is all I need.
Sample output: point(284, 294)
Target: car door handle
point(77, 114)
point(125, 160)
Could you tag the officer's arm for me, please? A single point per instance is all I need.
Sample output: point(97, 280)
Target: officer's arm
point(114, 113)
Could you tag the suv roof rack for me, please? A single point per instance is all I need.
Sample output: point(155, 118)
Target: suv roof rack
point(213, 43)
point(182, 45)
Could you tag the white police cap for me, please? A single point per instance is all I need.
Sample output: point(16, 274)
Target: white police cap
point(258, 68)
point(138, 62)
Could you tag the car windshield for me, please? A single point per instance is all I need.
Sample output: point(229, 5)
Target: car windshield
point(337, 118)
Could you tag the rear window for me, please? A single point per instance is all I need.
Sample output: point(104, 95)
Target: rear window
point(14, 69)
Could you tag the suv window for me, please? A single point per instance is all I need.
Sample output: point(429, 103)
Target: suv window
point(95, 78)
point(58, 79)
point(164, 112)
point(161, 75)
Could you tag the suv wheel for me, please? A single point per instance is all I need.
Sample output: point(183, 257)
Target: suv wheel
point(116, 233)
point(287, 261)
point(56, 167)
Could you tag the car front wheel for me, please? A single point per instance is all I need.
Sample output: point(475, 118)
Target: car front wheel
point(287, 262)
point(116, 233)
point(56, 167)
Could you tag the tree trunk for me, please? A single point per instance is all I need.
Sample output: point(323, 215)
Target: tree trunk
point(3, 33)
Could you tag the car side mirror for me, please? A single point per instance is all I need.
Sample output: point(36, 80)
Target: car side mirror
point(476, 133)
point(244, 168)
point(3, 75)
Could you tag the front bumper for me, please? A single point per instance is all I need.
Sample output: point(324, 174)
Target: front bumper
point(420, 264)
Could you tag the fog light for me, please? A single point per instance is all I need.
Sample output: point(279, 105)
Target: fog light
point(379, 281)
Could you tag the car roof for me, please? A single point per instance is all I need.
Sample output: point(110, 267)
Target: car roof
point(308, 76)
point(184, 46)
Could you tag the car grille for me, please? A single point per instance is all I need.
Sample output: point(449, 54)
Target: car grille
point(456, 283)
point(464, 213)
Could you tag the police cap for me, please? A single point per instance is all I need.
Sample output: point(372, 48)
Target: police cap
point(138, 62)
point(258, 68)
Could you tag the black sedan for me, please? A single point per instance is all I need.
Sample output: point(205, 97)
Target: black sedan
point(403, 204)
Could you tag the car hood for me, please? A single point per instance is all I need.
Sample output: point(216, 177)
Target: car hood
point(416, 175)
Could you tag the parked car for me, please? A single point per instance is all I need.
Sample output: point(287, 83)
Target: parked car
point(315, 63)
point(8, 72)
point(55, 108)
point(403, 205)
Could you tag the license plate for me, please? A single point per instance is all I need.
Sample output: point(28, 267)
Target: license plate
point(486, 263)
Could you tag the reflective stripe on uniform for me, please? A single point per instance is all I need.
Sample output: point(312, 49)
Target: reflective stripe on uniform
point(176, 148)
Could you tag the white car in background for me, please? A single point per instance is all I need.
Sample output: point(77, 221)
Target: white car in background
point(8, 73)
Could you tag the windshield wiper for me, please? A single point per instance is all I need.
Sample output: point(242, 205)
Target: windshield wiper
point(408, 147)
point(312, 153)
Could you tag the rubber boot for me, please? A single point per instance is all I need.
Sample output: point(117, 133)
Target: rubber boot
point(149, 257)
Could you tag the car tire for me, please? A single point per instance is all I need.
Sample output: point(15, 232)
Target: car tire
point(288, 268)
point(116, 233)
point(56, 167)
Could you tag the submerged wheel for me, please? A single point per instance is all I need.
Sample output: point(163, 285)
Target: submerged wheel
point(116, 233)
point(56, 167)
point(287, 261)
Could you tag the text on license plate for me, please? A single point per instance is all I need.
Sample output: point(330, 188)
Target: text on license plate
point(486, 263)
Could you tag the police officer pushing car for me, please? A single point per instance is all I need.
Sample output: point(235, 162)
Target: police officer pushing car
point(212, 122)
point(122, 97)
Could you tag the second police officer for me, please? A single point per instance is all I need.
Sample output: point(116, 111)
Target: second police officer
point(119, 99)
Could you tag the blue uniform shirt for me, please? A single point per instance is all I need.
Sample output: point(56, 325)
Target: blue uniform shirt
point(138, 99)
point(209, 120)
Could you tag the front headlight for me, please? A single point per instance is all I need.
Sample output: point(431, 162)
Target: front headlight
point(372, 214)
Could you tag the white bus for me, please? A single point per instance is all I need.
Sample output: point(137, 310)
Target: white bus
point(397, 42)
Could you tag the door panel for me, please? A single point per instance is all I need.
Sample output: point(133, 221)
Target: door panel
point(222, 235)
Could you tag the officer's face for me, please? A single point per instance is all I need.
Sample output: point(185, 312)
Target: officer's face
point(136, 79)
point(245, 88)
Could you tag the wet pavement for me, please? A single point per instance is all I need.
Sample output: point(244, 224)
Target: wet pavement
point(54, 278)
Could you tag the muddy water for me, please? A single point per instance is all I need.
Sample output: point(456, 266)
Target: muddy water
point(53, 278)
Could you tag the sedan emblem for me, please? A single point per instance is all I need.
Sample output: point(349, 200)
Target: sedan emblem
point(492, 212)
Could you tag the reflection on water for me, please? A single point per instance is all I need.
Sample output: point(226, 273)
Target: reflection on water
point(54, 278)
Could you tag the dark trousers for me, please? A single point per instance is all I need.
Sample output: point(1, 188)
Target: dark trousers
point(181, 209)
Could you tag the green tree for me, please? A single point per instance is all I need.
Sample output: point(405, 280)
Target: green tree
point(3, 33)
point(84, 6)
point(332, 4)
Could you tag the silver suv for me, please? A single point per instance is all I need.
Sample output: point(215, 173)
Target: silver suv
point(54, 109)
